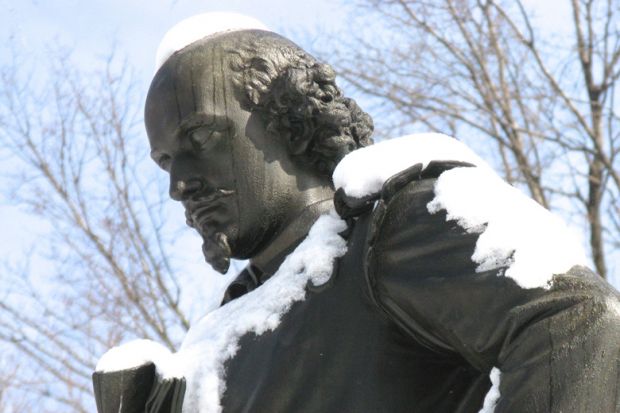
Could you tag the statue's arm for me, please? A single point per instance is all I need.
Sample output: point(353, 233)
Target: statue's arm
point(557, 349)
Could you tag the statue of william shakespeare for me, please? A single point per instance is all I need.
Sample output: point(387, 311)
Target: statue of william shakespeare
point(404, 276)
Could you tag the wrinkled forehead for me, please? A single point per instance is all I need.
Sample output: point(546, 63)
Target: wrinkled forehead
point(193, 85)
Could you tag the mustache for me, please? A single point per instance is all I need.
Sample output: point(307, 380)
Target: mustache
point(202, 203)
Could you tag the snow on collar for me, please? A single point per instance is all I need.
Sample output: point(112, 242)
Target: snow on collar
point(364, 171)
point(200, 26)
point(214, 339)
point(517, 235)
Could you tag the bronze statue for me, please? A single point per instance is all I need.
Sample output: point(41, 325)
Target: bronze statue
point(250, 128)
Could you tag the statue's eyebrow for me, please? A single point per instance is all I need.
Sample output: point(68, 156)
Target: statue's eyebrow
point(196, 120)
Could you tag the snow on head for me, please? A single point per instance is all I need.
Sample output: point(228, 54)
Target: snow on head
point(214, 339)
point(516, 233)
point(197, 27)
point(363, 172)
point(133, 354)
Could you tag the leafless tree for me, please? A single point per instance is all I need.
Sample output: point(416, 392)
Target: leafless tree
point(490, 72)
point(101, 274)
point(13, 403)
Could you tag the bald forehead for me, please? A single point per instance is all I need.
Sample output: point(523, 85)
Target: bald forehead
point(199, 79)
point(193, 85)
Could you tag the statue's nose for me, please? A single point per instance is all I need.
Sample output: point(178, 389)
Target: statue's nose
point(181, 189)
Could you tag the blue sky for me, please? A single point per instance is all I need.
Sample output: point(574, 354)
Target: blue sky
point(136, 27)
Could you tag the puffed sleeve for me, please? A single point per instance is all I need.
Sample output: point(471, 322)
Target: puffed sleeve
point(557, 348)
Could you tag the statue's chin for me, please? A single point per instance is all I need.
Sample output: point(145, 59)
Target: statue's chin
point(217, 251)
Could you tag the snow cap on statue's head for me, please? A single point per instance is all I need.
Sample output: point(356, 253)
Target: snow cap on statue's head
point(200, 26)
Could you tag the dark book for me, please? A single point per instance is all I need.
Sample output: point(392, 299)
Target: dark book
point(137, 390)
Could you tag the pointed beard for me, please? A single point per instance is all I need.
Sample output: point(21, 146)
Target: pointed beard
point(216, 251)
point(215, 247)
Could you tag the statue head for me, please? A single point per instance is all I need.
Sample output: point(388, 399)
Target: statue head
point(250, 128)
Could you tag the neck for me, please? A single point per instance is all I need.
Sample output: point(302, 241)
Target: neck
point(269, 259)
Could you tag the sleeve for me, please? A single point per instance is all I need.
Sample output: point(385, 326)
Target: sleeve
point(557, 349)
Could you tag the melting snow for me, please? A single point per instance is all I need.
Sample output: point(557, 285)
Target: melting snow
point(516, 232)
point(197, 27)
point(492, 397)
point(214, 339)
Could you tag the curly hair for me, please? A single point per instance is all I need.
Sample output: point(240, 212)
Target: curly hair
point(298, 98)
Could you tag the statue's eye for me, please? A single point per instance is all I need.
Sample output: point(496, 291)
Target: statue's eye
point(205, 138)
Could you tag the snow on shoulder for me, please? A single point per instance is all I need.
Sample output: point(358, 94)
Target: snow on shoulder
point(199, 26)
point(516, 233)
point(363, 172)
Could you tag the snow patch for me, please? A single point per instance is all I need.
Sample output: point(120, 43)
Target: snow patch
point(214, 339)
point(492, 397)
point(197, 27)
point(364, 171)
point(516, 232)
point(133, 354)
point(614, 306)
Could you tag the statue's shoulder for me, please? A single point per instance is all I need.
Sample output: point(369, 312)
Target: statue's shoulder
point(405, 243)
point(402, 229)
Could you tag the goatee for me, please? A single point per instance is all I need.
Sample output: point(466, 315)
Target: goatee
point(216, 251)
